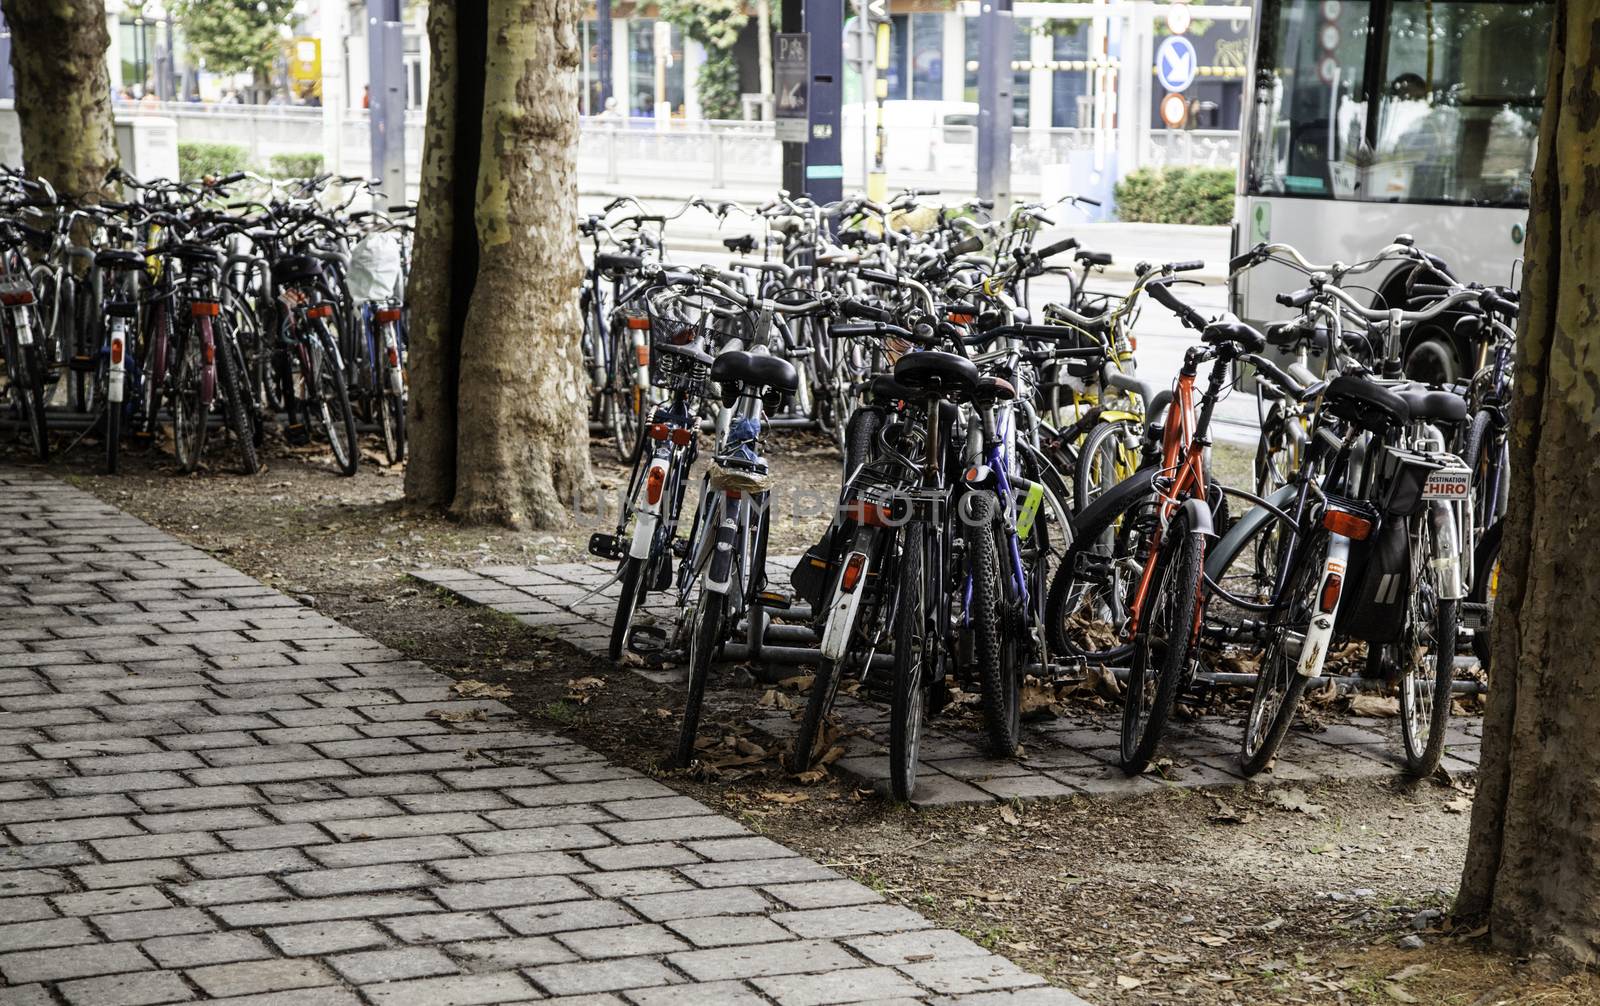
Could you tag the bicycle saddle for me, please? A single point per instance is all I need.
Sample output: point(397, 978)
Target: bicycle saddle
point(296, 269)
point(1237, 332)
point(753, 370)
point(995, 389)
point(932, 372)
point(116, 258)
point(205, 254)
point(884, 388)
point(1433, 403)
point(1366, 403)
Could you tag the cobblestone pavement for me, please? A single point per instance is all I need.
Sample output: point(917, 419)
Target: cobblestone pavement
point(1062, 757)
point(208, 791)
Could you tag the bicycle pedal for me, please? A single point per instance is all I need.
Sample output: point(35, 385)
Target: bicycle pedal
point(680, 547)
point(775, 599)
point(647, 640)
point(83, 364)
point(607, 546)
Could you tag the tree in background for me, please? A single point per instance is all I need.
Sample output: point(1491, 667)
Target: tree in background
point(58, 59)
point(497, 411)
point(1533, 858)
point(235, 37)
point(716, 25)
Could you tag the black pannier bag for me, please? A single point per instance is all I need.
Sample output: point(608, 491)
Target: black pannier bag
point(1380, 573)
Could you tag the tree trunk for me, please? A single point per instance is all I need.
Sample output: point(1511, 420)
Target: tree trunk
point(63, 91)
point(1533, 860)
point(522, 444)
point(500, 431)
point(432, 343)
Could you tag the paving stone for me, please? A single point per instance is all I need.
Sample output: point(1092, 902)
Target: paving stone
point(853, 985)
point(250, 977)
point(517, 952)
point(904, 948)
point(41, 935)
point(535, 920)
point(447, 926)
point(131, 899)
point(969, 974)
point(273, 913)
point(137, 989)
point(71, 962)
point(852, 920)
point(722, 993)
point(229, 890)
point(622, 883)
point(674, 829)
point(390, 850)
point(622, 941)
point(764, 959)
point(729, 930)
point(602, 976)
point(162, 922)
point(516, 864)
point(822, 893)
point(317, 938)
point(451, 991)
point(687, 905)
point(392, 965)
point(354, 879)
point(754, 847)
point(205, 948)
point(791, 869)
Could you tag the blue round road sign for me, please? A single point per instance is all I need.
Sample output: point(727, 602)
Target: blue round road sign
point(1177, 64)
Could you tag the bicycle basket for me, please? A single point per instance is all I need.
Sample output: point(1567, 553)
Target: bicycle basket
point(676, 370)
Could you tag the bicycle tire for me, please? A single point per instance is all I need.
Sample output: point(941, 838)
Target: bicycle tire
point(1178, 574)
point(113, 419)
point(1486, 568)
point(1102, 462)
point(230, 374)
point(703, 645)
point(1105, 531)
point(1424, 691)
point(861, 438)
point(824, 690)
point(910, 687)
point(1259, 747)
point(190, 411)
point(393, 412)
point(30, 398)
point(333, 395)
point(994, 643)
point(629, 600)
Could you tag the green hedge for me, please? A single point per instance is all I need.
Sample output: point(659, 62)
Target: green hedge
point(1177, 196)
point(197, 160)
point(301, 165)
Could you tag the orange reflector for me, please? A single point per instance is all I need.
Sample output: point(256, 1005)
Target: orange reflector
point(208, 353)
point(1348, 524)
point(658, 431)
point(682, 436)
point(1133, 342)
point(319, 311)
point(653, 483)
point(116, 351)
point(394, 357)
point(870, 514)
point(637, 323)
point(644, 355)
point(16, 298)
point(854, 566)
point(387, 314)
point(204, 309)
point(961, 319)
point(1330, 593)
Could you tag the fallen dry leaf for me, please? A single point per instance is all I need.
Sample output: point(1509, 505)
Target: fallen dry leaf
point(472, 689)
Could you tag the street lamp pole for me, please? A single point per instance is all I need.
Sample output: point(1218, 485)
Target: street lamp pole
point(387, 96)
point(602, 54)
point(995, 82)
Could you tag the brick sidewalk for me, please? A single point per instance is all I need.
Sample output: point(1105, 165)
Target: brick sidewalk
point(1066, 756)
point(208, 791)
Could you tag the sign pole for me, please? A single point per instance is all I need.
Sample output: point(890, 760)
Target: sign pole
point(824, 171)
point(602, 54)
point(995, 81)
point(792, 25)
point(387, 97)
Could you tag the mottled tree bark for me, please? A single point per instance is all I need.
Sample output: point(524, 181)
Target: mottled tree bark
point(522, 445)
point(432, 338)
point(1533, 861)
point(520, 449)
point(58, 59)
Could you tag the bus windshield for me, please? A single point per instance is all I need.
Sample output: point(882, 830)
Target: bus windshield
point(1409, 101)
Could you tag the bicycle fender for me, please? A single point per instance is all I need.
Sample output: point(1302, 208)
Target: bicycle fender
point(1222, 555)
point(1314, 649)
point(1199, 515)
point(1113, 500)
point(719, 576)
point(843, 606)
point(1120, 416)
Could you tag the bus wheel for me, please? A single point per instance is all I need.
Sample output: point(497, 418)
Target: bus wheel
point(1432, 361)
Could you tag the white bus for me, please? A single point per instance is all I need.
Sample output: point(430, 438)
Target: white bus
point(1372, 118)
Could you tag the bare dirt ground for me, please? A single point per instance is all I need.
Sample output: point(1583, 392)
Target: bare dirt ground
point(1246, 895)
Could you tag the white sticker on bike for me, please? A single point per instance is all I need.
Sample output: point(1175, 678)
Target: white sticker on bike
point(1448, 484)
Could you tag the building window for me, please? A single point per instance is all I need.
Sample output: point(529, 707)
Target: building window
point(1021, 49)
point(655, 67)
point(138, 55)
point(1071, 41)
point(927, 56)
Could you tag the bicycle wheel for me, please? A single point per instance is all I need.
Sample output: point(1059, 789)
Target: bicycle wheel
point(1277, 451)
point(1091, 591)
point(1279, 684)
point(112, 426)
point(333, 409)
point(824, 690)
point(915, 653)
point(628, 603)
point(235, 403)
point(157, 343)
point(1103, 462)
point(1426, 654)
point(190, 411)
point(704, 640)
point(994, 639)
point(861, 438)
point(27, 386)
point(393, 415)
point(1484, 589)
point(1161, 645)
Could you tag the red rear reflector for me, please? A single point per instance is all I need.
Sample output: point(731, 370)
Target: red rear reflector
point(319, 311)
point(870, 514)
point(208, 353)
point(854, 566)
point(1348, 524)
point(16, 298)
point(644, 356)
point(204, 309)
point(638, 323)
point(116, 351)
point(658, 431)
point(961, 319)
point(388, 314)
point(653, 483)
point(394, 358)
point(682, 436)
point(1330, 593)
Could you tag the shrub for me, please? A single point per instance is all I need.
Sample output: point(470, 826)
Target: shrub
point(1176, 196)
point(299, 165)
point(197, 160)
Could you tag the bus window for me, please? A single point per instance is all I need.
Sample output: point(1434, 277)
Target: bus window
point(1458, 115)
point(1311, 98)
